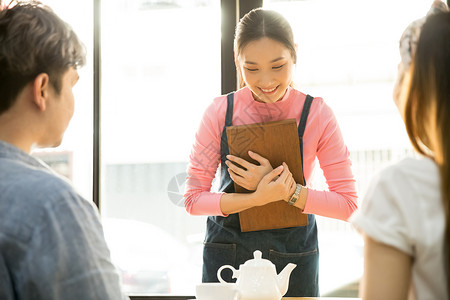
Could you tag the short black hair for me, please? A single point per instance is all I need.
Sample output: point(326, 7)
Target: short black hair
point(34, 40)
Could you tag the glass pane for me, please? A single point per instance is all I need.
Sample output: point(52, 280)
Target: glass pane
point(348, 54)
point(73, 158)
point(160, 69)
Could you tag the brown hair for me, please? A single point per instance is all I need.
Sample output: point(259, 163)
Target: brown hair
point(427, 105)
point(34, 40)
point(260, 23)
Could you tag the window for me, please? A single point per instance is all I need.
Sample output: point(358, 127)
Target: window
point(160, 70)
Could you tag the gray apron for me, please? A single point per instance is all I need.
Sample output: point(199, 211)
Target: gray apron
point(225, 244)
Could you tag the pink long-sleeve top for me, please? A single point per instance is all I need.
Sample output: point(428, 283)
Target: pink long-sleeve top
point(322, 139)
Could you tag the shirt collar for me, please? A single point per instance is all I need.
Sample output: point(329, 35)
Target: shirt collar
point(10, 151)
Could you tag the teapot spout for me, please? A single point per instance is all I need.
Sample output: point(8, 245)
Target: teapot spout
point(283, 278)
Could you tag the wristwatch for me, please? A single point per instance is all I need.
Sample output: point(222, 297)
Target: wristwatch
point(295, 195)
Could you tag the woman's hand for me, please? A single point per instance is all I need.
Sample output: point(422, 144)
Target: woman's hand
point(271, 188)
point(250, 175)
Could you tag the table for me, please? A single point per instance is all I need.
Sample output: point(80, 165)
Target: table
point(132, 297)
point(318, 298)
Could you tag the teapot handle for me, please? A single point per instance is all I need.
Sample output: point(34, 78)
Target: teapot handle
point(225, 267)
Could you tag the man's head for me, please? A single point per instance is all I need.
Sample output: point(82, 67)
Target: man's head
point(39, 56)
point(34, 40)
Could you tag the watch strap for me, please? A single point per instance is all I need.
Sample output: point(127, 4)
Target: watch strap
point(295, 195)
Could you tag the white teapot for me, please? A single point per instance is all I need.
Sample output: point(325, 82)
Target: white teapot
point(257, 279)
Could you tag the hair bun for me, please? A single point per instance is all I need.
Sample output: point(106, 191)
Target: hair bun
point(409, 38)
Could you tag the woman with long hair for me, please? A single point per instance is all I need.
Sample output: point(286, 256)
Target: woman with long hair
point(404, 215)
point(265, 55)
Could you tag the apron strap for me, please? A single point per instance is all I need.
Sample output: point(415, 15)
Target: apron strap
point(302, 126)
point(228, 121)
point(229, 115)
point(226, 184)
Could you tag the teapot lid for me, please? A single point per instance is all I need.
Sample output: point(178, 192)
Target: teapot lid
point(258, 261)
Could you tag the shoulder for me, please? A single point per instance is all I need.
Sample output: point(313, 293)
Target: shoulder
point(409, 173)
point(396, 198)
point(320, 107)
point(33, 198)
point(49, 186)
point(43, 190)
point(320, 116)
point(62, 198)
point(219, 102)
point(412, 178)
point(213, 120)
point(243, 94)
point(33, 183)
point(318, 104)
point(402, 188)
point(416, 166)
point(300, 96)
point(216, 109)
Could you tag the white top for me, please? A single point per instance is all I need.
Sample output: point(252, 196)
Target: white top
point(403, 208)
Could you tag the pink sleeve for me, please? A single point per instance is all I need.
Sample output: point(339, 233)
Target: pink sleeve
point(340, 200)
point(203, 162)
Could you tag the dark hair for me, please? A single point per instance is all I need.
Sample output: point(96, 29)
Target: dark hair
point(34, 40)
point(427, 106)
point(260, 23)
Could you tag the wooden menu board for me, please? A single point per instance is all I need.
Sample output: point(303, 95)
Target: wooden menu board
point(278, 142)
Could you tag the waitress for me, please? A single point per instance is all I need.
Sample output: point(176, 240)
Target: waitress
point(265, 56)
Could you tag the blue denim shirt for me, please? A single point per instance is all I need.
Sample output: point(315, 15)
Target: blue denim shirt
point(51, 240)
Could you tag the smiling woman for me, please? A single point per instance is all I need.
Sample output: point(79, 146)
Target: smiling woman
point(265, 57)
point(276, 35)
point(266, 73)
